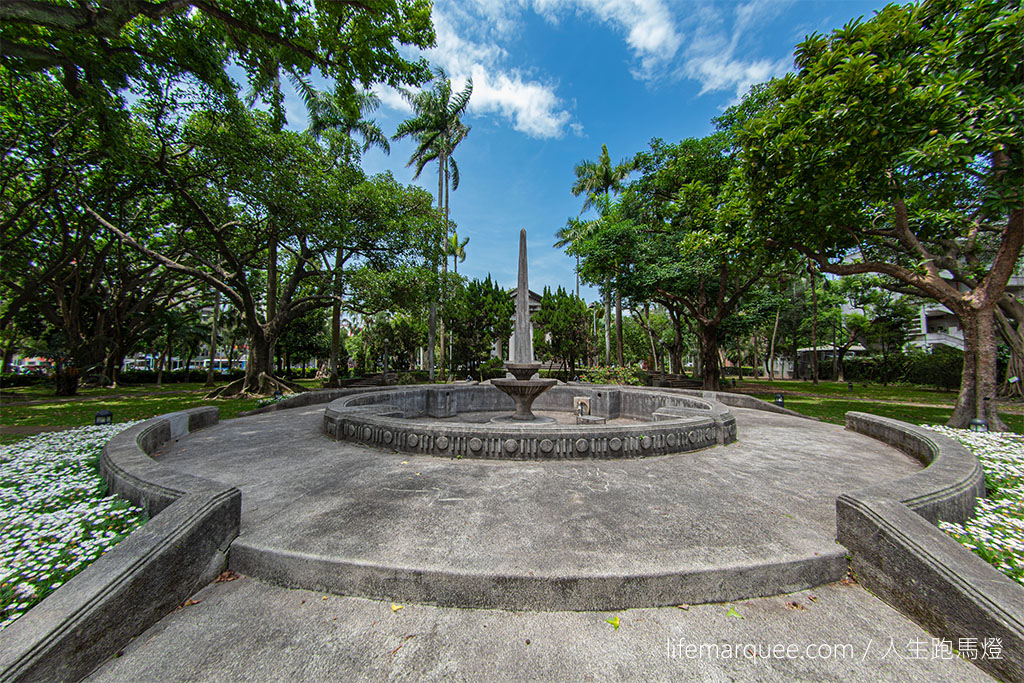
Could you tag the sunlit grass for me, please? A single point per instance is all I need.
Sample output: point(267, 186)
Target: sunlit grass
point(834, 410)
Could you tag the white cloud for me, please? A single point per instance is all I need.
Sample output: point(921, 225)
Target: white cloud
point(649, 26)
point(531, 105)
point(710, 57)
point(391, 98)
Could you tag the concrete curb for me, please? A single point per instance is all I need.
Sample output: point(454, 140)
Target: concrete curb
point(900, 555)
point(656, 587)
point(143, 578)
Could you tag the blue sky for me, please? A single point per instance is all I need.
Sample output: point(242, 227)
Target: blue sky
point(556, 79)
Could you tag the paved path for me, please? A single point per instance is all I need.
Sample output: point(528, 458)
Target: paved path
point(337, 507)
point(246, 630)
point(754, 518)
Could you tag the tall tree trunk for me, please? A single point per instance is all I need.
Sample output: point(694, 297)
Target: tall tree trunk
point(618, 328)
point(332, 380)
point(835, 355)
point(431, 338)
point(814, 326)
point(608, 326)
point(259, 364)
point(8, 356)
point(165, 357)
point(979, 380)
point(271, 289)
point(754, 343)
point(675, 353)
point(711, 372)
point(213, 337)
point(650, 334)
point(739, 357)
point(444, 269)
point(771, 351)
point(1014, 338)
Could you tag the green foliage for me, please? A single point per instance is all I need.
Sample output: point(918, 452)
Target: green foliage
point(631, 375)
point(98, 48)
point(561, 328)
point(481, 314)
point(941, 367)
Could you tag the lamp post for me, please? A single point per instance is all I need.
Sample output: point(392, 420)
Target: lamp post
point(780, 400)
point(104, 417)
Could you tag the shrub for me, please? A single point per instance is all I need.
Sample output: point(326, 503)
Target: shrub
point(613, 375)
point(13, 379)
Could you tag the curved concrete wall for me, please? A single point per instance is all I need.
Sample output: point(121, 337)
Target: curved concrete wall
point(145, 576)
point(900, 555)
point(380, 419)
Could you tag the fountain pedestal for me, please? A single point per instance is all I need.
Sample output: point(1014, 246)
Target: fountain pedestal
point(523, 391)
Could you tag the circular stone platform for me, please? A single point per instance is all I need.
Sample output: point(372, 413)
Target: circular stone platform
point(657, 422)
point(753, 518)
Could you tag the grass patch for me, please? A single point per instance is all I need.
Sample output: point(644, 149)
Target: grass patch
point(80, 413)
point(877, 392)
point(834, 410)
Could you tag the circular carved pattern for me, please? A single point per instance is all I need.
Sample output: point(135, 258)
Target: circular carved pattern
point(387, 436)
point(709, 434)
point(546, 445)
point(475, 444)
point(671, 439)
point(694, 436)
point(645, 442)
point(582, 445)
point(441, 443)
point(615, 444)
point(511, 445)
point(350, 430)
point(413, 440)
point(367, 433)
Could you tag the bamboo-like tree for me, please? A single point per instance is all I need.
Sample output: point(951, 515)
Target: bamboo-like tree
point(596, 179)
point(437, 129)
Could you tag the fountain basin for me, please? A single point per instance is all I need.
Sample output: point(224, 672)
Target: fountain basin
point(656, 422)
point(523, 393)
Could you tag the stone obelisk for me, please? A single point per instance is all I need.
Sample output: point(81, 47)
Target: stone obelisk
point(522, 353)
point(522, 389)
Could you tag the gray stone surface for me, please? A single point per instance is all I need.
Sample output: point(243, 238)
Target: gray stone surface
point(903, 558)
point(246, 630)
point(387, 419)
point(752, 518)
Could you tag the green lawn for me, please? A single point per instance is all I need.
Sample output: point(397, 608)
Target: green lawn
point(127, 403)
point(834, 410)
point(876, 392)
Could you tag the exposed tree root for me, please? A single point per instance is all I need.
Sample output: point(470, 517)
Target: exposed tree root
point(266, 386)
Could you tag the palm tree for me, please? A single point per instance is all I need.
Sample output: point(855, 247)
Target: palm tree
point(340, 119)
point(437, 129)
point(597, 178)
point(567, 236)
point(456, 249)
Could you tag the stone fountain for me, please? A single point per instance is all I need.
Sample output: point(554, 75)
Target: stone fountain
point(521, 388)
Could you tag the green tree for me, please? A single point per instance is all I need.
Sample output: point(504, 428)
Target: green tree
point(599, 179)
point(896, 149)
point(339, 118)
point(98, 46)
point(437, 129)
point(561, 329)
